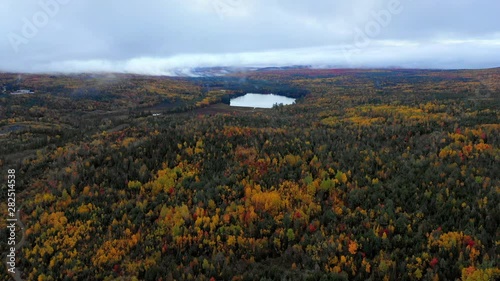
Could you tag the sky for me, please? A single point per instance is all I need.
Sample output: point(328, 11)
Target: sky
point(163, 37)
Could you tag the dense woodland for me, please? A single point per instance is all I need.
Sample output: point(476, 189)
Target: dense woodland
point(371, 175)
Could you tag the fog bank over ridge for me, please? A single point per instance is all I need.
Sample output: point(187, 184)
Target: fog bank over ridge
point(171, 37)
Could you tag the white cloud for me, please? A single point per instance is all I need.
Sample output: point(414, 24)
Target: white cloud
point(383, 53)
point(166, 34)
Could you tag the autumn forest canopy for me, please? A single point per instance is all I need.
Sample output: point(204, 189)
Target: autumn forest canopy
point(371, 175)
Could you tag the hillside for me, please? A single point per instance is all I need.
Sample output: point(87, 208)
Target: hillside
point(371, 175)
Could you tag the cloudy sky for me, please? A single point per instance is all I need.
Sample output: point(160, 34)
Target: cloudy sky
point(159, 36)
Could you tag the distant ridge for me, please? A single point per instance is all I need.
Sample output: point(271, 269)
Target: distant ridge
point(217, 71)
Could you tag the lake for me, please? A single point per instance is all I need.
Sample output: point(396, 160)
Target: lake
point(260, 100)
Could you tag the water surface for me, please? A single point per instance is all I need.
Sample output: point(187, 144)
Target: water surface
point(260, 100)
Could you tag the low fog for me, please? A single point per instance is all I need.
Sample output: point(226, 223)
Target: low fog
point(171, 37)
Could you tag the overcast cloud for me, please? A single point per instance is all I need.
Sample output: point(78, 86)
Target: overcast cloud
point(160, 36)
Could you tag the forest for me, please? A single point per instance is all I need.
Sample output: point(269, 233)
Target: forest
point(383, 174)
